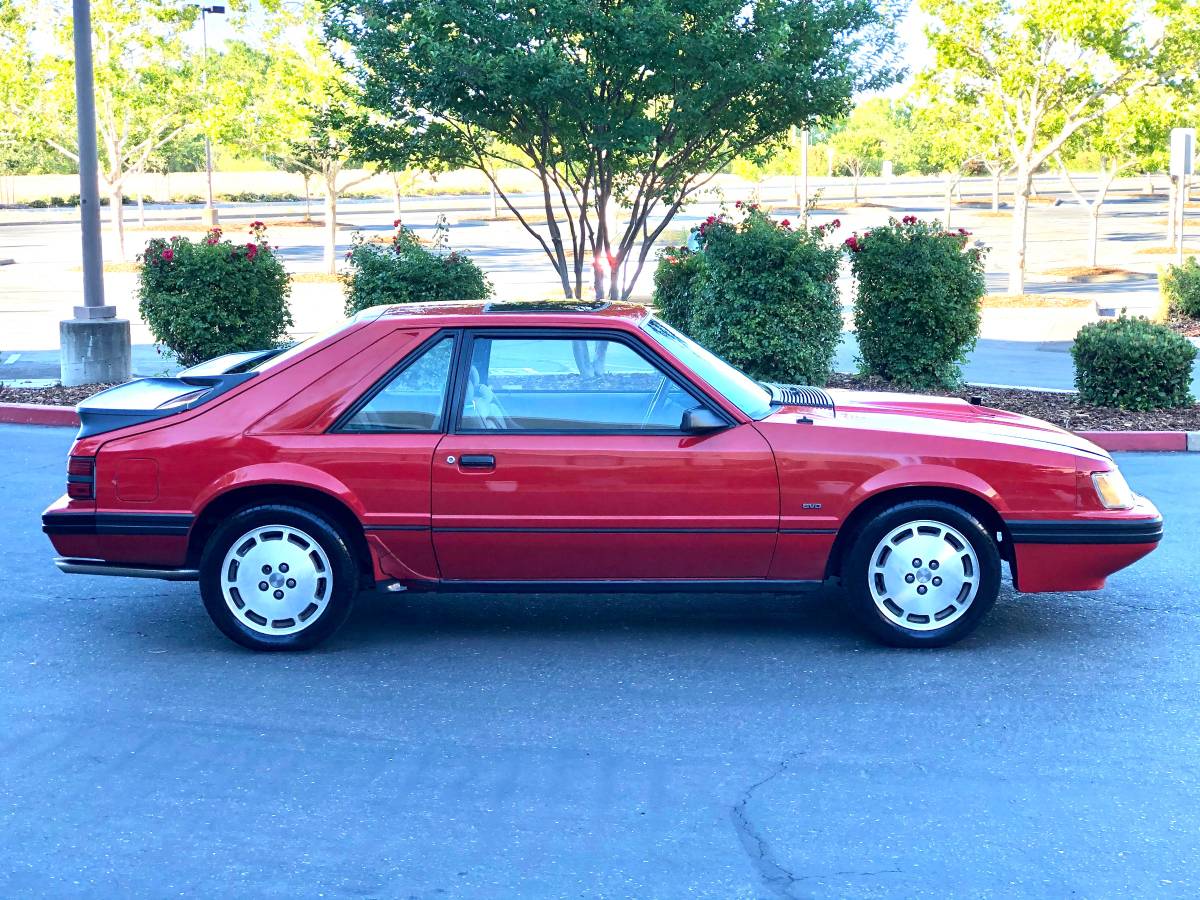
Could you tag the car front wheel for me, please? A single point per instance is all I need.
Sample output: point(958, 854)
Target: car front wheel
point(922, 574)
point(278, 577)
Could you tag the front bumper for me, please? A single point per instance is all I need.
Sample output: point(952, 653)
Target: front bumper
point(1078, 554)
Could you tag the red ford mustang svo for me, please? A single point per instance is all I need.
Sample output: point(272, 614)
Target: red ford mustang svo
point(569, 447)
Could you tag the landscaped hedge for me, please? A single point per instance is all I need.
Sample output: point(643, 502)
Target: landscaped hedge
point(916, 307)
point(406, 272)
point(1134, 364)
point(759, 293)
point(209, 297)
point(1181, 288)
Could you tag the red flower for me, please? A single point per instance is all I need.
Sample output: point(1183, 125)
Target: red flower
point(852, 243)
point(168, 255)
point(395, 223)
point(836, 223)
point(251, 251)
point(909, 220)
point(738, 205)
point(785, 223)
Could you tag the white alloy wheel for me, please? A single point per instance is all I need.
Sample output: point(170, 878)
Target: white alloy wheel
point(276, 580)
point(923, 575)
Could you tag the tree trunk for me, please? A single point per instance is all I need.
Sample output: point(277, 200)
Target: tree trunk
point(330, 226)
point(396, 195)
point(996, 176)
point(116, 211)
point(1016, 268)
point(857, 175)
point(495, 206)
point(949, 201)
point(1093, 232)
point(1171, 208)
point(307, 199)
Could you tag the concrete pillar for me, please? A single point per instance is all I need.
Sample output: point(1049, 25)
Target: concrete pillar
point(94, 351)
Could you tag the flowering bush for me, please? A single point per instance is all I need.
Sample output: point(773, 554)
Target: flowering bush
point(758, 293)
point(406, 272)
point(916, 307)
point(205, 298)
point(1180, 286)
point(1130, 363)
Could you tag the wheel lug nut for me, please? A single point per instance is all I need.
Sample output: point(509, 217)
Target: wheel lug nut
point(910, 577)
point(916, 563)
point(279, 595)
point(283, 567)
point(262, 585)
point(266, 570)
point(933, 564)
point(937, 582)
point(921, 589)
point(291, 582)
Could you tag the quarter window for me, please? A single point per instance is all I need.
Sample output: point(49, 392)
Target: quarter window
point(414, 397)
point(562, 384)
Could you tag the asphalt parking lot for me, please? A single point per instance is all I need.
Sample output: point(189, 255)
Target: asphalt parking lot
point(587, 746)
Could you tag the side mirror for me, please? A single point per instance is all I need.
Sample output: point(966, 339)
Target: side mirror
point(701, 420)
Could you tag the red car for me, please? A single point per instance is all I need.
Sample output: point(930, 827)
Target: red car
point(567, 447)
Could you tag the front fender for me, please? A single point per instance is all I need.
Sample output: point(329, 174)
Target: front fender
point(927, 475)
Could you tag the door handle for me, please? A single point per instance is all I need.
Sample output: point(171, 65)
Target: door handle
point(477, 461)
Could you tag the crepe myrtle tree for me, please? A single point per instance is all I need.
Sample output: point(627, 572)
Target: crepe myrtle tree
point(1134, 136)
point(622, 111)
point(1051, 69)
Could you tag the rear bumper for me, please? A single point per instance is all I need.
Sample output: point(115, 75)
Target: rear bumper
point(138, 539)
point(1079, 554)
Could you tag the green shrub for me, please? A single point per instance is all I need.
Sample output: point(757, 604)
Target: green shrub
point(211, 297)
point(764, 298)
point(916, 308)
point(406, 272)
point(1133, 364)
point(1181, 288)
point(676, 282)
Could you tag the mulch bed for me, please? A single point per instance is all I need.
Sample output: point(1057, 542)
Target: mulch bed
point(1064, 410)
point(1186, 326)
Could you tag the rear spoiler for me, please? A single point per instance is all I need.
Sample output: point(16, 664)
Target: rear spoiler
point(149, 399)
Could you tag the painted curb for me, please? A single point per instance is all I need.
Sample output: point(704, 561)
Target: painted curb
point(1158, 441)
point(38, 414)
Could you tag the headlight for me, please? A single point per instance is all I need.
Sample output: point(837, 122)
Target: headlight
point(1113, 490)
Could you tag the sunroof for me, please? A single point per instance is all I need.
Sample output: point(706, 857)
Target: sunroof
point(546, 306)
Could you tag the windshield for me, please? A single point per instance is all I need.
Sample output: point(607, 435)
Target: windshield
point(738, 388)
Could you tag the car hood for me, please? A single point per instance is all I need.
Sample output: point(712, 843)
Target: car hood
point(939, 416)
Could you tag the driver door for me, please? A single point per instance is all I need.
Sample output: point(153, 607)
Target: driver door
point(566, 462)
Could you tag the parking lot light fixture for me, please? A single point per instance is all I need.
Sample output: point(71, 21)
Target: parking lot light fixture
point(210, 211)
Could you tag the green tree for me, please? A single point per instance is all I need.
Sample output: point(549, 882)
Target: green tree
point(1051, 68)
point(612, 104)
point(145, 88)
point(18, 90)
point(1134, 135)
point(861, 144)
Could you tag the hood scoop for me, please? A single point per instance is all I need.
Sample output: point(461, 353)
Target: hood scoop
point(800, 395)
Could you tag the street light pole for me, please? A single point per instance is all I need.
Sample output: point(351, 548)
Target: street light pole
point(94, 345)
point(210, 211)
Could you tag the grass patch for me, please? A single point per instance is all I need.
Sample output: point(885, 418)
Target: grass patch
point(315, 278)
point(1163, 250)
point(1091, 271)
point(127, 267)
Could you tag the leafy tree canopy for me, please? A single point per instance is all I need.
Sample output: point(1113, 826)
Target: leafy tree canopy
point(612, 102)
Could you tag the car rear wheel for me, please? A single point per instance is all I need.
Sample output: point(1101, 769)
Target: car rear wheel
point(277, 577)
point(922, 574)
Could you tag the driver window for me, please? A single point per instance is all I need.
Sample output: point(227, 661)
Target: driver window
point(559, 384)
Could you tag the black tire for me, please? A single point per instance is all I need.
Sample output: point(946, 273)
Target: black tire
point(891, 624)
point(332, 559)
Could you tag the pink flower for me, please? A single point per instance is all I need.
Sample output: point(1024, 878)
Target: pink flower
point(836, 223)
point(852, 243)
point(251, 251)
point(786, 223)
point(168, 255)
point(738, 205)
point(395, 223)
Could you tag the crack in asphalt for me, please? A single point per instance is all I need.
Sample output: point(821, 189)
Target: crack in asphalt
point(780, 879)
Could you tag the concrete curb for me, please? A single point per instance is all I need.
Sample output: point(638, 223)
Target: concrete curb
point(1176, 441)
point(38, 414)
point(1157, 441)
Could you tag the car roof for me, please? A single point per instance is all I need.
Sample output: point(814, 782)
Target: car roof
point(521, 312)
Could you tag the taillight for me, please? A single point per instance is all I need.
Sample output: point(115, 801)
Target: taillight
point(81, 478)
